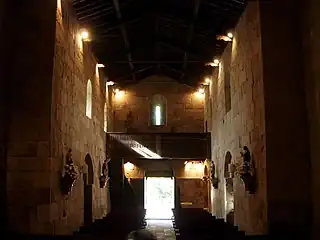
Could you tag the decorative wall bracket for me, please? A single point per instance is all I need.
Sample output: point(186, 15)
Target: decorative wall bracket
point(248, 172)
point(70, 175)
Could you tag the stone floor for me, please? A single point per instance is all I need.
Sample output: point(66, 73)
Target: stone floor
point(163, 229)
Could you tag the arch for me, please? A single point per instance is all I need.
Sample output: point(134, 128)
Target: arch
point(89, 174)
point(87, 192)
point(158, 116)
point(227, 161)
point(229, 198)
point(105, 115)
point(89, 100)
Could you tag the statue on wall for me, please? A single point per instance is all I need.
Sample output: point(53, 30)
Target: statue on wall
point(214, 179)
point(248, 174)
point(70, 174)
point(128, 124)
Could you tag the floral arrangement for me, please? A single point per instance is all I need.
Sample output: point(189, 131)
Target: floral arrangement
point(103, 179)
point(70, 174)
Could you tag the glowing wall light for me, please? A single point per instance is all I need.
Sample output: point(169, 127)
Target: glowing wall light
point(197, 167)
point(99, 65)
point(200, 93)
point(230, 35)
point(119, 94)
point(110, 83)
point(84, 35)
point(224, 38)
point(215, 63)
point(128, 166)
point(207, 81)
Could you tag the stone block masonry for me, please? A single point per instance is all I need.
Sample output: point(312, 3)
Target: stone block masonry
point(46, 82)
point(184, 111)
point(243, 124)
point(268, 114)
point(74, 66)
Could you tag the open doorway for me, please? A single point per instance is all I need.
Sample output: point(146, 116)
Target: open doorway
point(159, 197)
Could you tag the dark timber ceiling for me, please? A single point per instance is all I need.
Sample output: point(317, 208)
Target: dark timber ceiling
point(138, 38)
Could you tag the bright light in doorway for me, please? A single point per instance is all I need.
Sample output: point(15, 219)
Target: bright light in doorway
point(230, 35)
point(159, 197)
point(158, 115)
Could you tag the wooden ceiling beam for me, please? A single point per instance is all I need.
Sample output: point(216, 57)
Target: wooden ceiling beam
point(191, 32)
point(124, 35)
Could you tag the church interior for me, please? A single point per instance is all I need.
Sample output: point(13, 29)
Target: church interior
point(184, 120)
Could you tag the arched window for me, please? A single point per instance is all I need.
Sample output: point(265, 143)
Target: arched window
point(158, 110)
point(105, 126)
point(89, 100)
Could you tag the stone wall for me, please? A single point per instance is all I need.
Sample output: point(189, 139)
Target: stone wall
point(243, 125)
point(268, 114)
point(184, 110)
point(286, 122)
point(74, 65)
point(2, 118)
point(193, 193)
point(29, 43)
point(311, 47)
point(46, 117)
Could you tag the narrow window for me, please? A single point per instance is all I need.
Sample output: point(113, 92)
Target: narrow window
point(158, 110)
point(157, 115)
point(105, 117)
point(227, 91)
point(89, 100)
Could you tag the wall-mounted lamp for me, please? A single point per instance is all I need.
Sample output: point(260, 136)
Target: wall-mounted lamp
point(227, 38)
point(99, 65)
point(207, 81)
point(119, 94)
point(201, 90)
point(110, 83)
point(84, 35)
point(215, 63)
point(128, 166)
point(230, 35)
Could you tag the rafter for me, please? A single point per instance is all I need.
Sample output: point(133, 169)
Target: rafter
point(153, 32)
point(124, 35)
point(191, 32)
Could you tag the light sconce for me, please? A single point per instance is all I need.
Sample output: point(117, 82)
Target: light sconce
point(207, 81)
point(230, 35)
point(110, 83)
point(200, 93)
point(227, 38)
point(99, 65)
point(128, 166)
point(215, 63)
point(119, 94)
point(201, 90)
point(84, 35)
